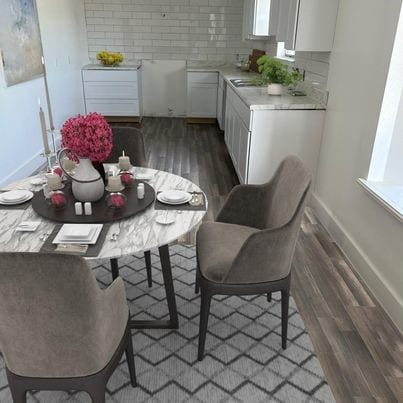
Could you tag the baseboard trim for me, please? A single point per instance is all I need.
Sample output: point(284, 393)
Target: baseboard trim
point(361, 263)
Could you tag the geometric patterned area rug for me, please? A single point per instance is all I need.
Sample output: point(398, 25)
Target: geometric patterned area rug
point(244, 361)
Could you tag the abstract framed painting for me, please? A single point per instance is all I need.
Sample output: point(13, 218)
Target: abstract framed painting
point(20, 41)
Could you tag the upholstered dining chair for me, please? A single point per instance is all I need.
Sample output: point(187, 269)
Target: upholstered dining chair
point(130, 140)
point(249, 248)
point(58, 329)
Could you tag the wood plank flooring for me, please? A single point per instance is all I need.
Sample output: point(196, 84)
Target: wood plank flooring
point(359, 348)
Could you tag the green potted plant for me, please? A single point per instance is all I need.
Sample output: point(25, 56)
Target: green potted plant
point(276, 75)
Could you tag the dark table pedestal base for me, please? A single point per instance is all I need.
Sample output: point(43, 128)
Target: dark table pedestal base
point(173, 322)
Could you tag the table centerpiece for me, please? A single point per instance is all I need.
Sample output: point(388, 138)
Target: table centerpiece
point(89, 139)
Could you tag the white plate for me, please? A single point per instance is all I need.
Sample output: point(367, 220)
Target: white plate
point(60, 237)
point(165, 219)
point(144, 176)
point(78, 232)
point(174, 195)
point(37, 181)
point(14, 195)
point(163, 200)
point(29, 195)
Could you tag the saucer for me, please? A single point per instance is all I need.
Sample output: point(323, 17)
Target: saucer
point(108, 189)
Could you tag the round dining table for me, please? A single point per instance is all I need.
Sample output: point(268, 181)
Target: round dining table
point(133, 235)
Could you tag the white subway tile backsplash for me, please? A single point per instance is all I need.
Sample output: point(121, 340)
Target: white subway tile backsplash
point(168, 29)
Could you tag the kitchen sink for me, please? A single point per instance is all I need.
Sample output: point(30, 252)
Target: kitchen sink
point(240, 82)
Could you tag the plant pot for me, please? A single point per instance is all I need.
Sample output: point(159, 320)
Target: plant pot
point(275, 89)
point(87, 185)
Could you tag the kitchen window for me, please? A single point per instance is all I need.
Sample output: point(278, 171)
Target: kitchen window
point(385, 176)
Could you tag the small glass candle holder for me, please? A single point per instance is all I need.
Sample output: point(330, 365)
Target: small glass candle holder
point(126, 177)
point(116, 200)
point(58, 199)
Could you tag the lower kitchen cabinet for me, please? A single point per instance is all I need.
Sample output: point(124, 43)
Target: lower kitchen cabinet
point(112, 91)
point(221, 96)
point(258, 140)
point(237, 139)
point(202, 94)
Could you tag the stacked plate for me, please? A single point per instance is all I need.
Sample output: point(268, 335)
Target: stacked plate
point(78, 233)
point(174, 197)
point(15, 197)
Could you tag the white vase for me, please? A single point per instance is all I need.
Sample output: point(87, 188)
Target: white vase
point(275, 89)
point(87, 185)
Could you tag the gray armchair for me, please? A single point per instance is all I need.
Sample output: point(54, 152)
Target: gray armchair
point(131, 141)
point(250, 247)
point(58, 329)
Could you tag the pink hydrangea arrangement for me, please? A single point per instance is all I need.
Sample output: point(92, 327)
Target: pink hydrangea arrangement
point(88, 136)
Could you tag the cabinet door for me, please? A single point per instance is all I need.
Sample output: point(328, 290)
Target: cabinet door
point(316, 25)
point(202, 100)
point(241, 148)
point(243, 156)
point(287, 22)
point(220, 107)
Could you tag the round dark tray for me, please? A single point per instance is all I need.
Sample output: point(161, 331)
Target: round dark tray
point(100, 212)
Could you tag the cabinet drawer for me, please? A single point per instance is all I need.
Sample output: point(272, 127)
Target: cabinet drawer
point(110, 75)
point(113, 107)
point(242, 110)
point(111, 90)
point(202, 78)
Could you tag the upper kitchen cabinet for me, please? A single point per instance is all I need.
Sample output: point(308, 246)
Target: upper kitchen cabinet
point(259, 19)
point(306, 25)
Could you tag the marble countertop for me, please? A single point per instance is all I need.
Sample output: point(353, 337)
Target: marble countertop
point(120, 67)
point(256, 98)
point(135, 234)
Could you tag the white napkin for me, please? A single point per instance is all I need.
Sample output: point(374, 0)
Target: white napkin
point(28, 226)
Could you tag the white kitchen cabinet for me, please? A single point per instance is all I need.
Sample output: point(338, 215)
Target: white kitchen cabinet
point(222, 88)
point(237, 134)
point(306, 25)
point(202, 90)
point(258, 140)
point(112, 92)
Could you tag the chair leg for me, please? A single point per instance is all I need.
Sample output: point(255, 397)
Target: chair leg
point(285, 296)
point(197, 285)
point(97, 393)
point(114, 268)
point(130, 359)
point(19, 395)
point(269, 297)
point(147, 257)
point(205, 302)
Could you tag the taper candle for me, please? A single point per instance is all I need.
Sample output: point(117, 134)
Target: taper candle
point(44, 131)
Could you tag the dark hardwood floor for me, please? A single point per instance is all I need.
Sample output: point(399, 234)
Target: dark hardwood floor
point(360, 349)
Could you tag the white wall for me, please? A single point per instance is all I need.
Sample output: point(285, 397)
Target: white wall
point(369, 235)
point(65, 49)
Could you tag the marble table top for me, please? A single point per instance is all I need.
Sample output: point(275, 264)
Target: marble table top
point(135, 234)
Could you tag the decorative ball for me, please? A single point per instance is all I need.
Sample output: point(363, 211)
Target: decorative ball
point(58, 199)
point(58, 171)
point(116, 200)
point(126, 178)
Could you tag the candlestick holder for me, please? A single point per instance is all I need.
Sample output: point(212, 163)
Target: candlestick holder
point(51, 159)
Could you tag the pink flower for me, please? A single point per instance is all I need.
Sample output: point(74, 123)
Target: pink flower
point(88, 136)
